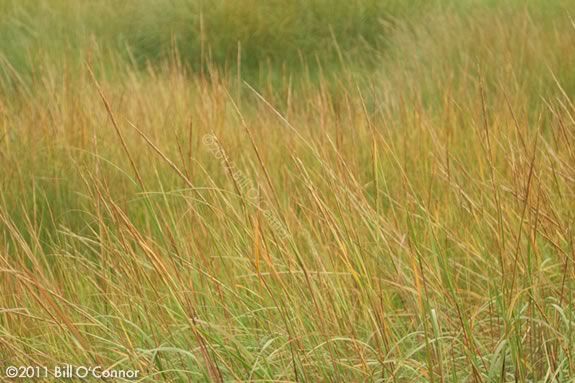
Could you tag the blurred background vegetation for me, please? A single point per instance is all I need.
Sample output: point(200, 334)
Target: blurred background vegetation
point(274, 36)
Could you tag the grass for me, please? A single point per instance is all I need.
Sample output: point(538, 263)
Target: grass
point(246, 37)
point(402, 214)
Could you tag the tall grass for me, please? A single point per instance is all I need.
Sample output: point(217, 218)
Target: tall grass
point(410, 222)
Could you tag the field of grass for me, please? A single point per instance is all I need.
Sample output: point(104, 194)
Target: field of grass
point(282, 191)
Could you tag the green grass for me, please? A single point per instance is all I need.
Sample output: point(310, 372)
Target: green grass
point(247, 37)
point(395, 206)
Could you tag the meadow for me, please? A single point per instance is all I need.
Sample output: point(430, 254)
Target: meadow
point(289, 191)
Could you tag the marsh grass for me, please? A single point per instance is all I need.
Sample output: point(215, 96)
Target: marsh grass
point(428, 205)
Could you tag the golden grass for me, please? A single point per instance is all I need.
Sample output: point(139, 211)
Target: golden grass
point(412, 224)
